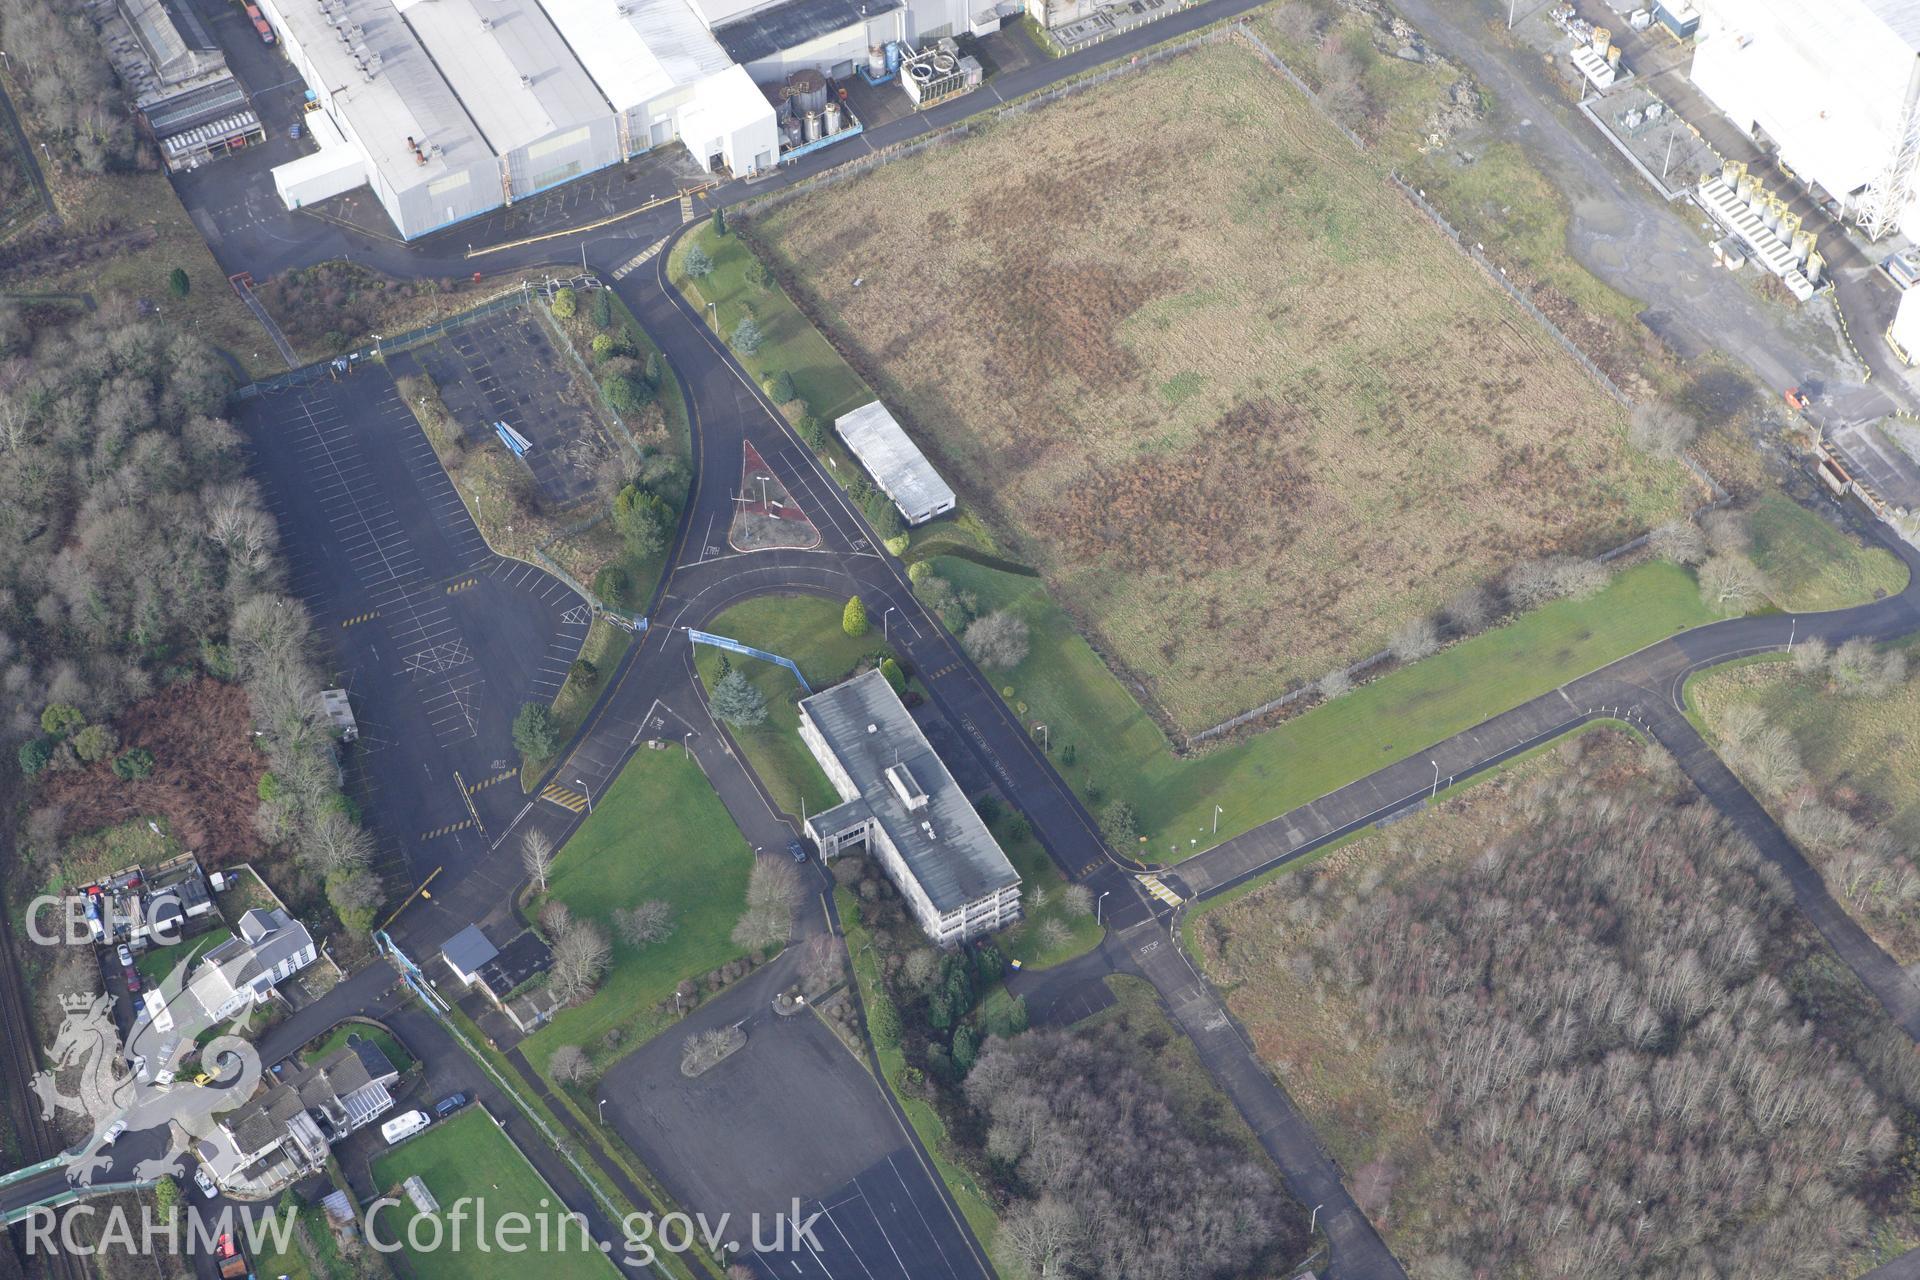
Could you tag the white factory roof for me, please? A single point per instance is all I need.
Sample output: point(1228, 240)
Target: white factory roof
point(639, 49)
point(722, 105)
point(386, 84)
point(508, 65)
point(1826, 79)
point(894, 461)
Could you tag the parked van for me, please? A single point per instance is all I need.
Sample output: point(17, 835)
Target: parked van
point(404, 1125)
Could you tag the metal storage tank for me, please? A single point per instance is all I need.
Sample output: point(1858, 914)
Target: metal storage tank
point(831, 121)
point(876, 62)
point(813, 126)
point(807, 89)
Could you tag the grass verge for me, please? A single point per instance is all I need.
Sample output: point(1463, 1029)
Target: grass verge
point(827, 384)
point(1107, 747)
point(601, 651)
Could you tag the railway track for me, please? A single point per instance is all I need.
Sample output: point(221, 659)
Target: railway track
point(19, 1062)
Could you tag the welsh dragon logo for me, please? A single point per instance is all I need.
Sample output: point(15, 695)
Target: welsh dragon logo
point(86, 1052)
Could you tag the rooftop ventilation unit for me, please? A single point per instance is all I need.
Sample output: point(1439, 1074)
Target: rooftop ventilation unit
point(526, 82)
point(486, 24)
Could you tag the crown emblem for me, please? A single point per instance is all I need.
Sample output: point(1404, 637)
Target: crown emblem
point(76, 1002)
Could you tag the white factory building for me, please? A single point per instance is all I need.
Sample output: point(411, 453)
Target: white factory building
point(1834, 85)
point(450, 108)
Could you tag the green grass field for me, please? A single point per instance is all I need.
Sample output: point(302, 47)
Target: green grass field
point(1811, 566)
point(1119, 752)
point(658, 832)
point(806, 629)
point(828, 385)
point(468, 1157)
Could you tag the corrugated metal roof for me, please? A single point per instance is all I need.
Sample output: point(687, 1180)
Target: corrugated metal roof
point(894, 461)
point(485, 49)
point(406, 97)
point(637, 50)
point(956, 862)
point(766, 32)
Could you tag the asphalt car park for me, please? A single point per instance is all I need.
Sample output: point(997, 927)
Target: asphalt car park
point(791, 1116)
point(506, 368)
point(437, 639)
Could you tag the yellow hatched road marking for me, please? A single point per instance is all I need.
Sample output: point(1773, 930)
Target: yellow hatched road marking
point(358, 618)
point(494, 781)
point(461, 586)
point(565, 797)
point(447, 830)
point(1160, 890)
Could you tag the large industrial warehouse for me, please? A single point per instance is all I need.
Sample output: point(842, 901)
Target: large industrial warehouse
point(1834, 85)
point(450, 108)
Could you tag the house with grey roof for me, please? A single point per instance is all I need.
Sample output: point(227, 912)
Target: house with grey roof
point(267, 947)
point(899, 800)
point(285, 1131)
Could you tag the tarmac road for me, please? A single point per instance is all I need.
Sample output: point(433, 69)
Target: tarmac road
point(1648, 251)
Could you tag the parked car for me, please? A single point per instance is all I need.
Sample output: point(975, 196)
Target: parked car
point(126, 957)
point(403, 1126)
point(450, 1104)
point(798, 848)
point(113, 1133)
point(293, 130)
point(204, 1180)
point(132, 975)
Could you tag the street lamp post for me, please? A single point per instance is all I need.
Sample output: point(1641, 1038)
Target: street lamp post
point(1436, 780)
point(686, 740)
point(586, 791)
point(603, 1111)
point(1216, 819)
point(1098, 903)
point(1314, 1221)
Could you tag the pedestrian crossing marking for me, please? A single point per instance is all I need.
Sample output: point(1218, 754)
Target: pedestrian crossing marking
point(1159, 890)
point(494, 781)
point(462, 585)
point(566, 797)
point(358, 618)
point(946, 670)
point(634, 263)
point(1090, 868)
point(686, 207)
point(447, 830)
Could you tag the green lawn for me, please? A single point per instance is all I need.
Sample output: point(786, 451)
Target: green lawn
point(806, 629)
point(395, 1051)
point(658, 832)
point(1811, 566)
point(1118, 751)
point(156, 964)
point(1037, 873)
point(469, 1157)
point(321, 1262)
point(825, 381)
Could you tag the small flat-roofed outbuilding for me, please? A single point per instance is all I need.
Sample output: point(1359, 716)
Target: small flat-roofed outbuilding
point(895, 463)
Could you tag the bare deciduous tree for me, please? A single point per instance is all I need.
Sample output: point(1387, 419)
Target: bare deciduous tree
point(579, 960)
point(1730, 583)
point(1661, 430)
point(1468, 610)
point(773, 890)
point(1416, 638)
point(645, 924)
point(536, 857)
point(569, 1064)
point(1334, 684)
point(1680, 541)
point(997, 641)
